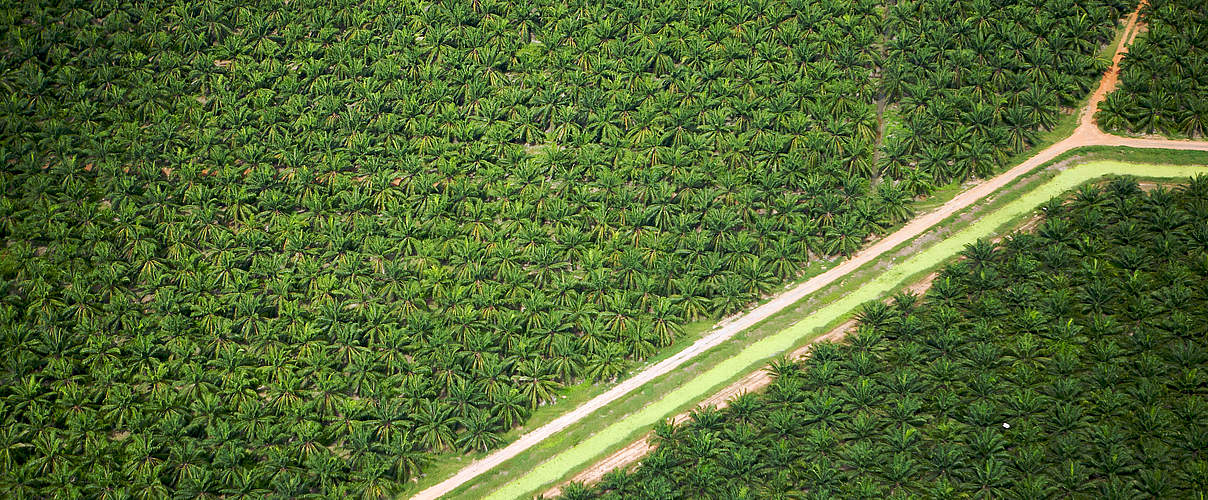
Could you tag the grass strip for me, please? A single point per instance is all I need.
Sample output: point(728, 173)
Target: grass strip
point(650, 392)
point(764, 349)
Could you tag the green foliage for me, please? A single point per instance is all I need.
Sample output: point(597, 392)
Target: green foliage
point(1164, 76)
point(300, 247)
point(1065, 362)
point(976, 80)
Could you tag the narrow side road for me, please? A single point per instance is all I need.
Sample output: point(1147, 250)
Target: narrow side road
point(1087, 134)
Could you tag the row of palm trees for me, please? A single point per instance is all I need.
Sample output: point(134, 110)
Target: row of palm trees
point(1164, 75)
point(1066, 362)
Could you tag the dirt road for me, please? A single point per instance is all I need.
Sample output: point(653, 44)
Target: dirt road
point(1087, 134)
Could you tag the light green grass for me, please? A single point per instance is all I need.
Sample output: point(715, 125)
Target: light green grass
point(652, 391)
point(571, 397)
point(764, 349)
point(655, 389)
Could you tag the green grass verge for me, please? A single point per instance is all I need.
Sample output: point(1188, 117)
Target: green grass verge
point(649, 392)
point(570, 397)
point(575, 395)
point(645, 395)
point(757, 354)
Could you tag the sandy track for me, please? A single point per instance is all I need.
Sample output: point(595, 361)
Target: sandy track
point(1087, 134)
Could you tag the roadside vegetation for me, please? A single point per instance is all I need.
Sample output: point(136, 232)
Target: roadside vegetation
point(1064, 361)
point(300, 248)
point(1164, 76)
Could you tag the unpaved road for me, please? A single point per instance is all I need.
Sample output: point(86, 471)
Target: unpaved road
point(1087, 134)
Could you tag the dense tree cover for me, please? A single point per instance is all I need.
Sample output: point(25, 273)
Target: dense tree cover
point(298, 247)
point(974, 81)
point(1164, 76)
point(1068, 362)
